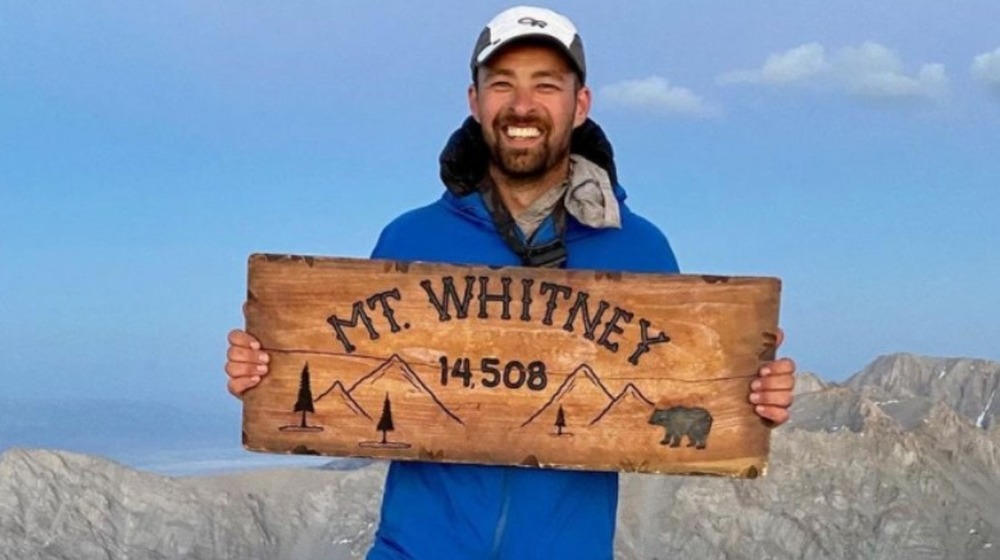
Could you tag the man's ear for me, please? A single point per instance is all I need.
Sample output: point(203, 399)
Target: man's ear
point(582, 106)
point(474, 102)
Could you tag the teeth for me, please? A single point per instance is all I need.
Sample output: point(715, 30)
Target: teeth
point(523, 132)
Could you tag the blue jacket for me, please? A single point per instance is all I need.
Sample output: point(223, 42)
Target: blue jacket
point(436, 511)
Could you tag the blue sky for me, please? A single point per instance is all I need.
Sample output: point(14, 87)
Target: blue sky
point(849, 148)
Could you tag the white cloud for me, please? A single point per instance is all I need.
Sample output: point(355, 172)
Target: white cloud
point(986, 69)
point(793, 66)
point(869, 70)
point(656, 94)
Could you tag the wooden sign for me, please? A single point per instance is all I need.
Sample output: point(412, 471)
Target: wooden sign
point(519, 366)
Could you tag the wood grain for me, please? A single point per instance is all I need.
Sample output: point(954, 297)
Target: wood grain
point(518, 366)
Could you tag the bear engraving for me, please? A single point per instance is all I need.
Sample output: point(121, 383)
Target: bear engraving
point(680, 421)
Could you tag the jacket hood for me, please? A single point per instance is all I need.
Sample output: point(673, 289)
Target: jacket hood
point(465, 158)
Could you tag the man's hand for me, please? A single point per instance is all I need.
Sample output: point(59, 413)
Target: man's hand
point(771, 392)
point(245, 363)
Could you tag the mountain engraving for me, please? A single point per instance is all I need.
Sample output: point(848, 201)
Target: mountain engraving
point(629, 404)
point(347, 408)
point(576, 396)
point(338, 397)
point(582, 402)
point(370, 390)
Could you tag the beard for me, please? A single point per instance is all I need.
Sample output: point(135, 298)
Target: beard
point(526, 163)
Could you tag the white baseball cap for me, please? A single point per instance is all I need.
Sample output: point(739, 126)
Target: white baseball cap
point(521, 22)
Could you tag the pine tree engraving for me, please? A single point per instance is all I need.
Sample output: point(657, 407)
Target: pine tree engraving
point(304, 404)
point(560, 421)
point(385, 422)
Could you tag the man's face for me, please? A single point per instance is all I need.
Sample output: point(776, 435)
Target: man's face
point(528, 102)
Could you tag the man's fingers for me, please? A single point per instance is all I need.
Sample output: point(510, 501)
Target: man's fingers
point(784, 382)
point(247, 355)
point(772, 391)
point(776, 414)
point(244, 359)
point(772, 398)
point(245, 362)
point(244, 370)
point(244, 339)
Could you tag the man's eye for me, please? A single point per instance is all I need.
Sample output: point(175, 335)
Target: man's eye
point(548, 87)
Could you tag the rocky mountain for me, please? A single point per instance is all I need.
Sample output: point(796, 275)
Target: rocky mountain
point(970, 387)
point(807, 382)
point(68, 506)
point(899, 462)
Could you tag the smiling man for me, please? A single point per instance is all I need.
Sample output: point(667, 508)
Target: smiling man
point(530, 181)
point(528, 99)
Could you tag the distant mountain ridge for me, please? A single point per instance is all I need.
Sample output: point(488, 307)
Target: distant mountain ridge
point(905, 387)
point(970, 387)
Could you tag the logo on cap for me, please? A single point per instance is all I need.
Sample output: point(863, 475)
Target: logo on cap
point(532, 22)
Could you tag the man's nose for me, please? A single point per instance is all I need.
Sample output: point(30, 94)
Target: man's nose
point(523, 102)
